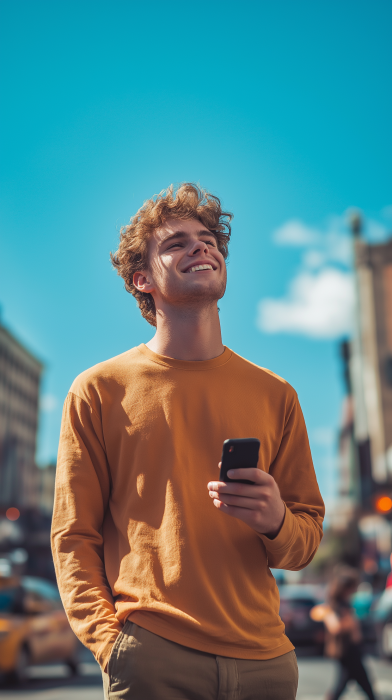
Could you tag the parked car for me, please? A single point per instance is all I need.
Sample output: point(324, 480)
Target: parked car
point(296, 602)
point(33, 627)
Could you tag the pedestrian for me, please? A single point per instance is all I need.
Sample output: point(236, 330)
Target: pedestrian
point(343, 632)
point(388, 583)
point(163, 569)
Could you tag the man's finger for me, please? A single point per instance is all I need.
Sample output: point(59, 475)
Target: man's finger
point(238, 501)
point(236, 489)
point(243, 514)
point(247, 490)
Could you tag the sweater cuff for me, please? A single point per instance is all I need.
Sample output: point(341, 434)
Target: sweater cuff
point(285, 535)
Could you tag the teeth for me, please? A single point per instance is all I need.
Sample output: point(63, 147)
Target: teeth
point(200, 267)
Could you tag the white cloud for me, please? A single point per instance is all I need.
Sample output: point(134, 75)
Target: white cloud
point(320, 298)
point(295, 233)
point(332, 245)
point(332, 242)
point(319, 305)
point(48, 403)
point(313, 259)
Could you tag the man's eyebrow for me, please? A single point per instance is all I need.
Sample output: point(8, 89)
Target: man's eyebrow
point(183, 234)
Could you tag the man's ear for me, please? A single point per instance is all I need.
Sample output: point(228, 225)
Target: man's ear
point(142, 281)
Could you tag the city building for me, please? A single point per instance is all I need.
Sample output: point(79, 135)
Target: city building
point(349, 483)
point(371, 361)
point(20, 374)
point(46, 482)
point(365, 440)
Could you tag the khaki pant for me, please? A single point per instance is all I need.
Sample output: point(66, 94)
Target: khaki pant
point(144, 666)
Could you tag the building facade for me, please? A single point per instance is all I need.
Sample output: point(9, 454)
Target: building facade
point(20, 374)
point(46, 483)
point(371, 365)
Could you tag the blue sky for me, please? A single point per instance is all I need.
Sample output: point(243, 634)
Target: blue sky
point(283, 109)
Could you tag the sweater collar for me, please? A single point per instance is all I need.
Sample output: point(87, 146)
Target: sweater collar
point(190, 366)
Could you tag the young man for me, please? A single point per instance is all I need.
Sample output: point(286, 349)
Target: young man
point(163, 570)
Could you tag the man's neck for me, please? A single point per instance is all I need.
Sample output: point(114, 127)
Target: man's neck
point(192, 334)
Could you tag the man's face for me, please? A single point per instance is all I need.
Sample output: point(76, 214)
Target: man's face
point(185, 265)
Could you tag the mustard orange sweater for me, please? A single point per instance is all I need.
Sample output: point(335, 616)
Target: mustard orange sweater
point(135, 534)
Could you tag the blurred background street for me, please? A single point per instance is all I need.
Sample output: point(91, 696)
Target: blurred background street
point(281, 109)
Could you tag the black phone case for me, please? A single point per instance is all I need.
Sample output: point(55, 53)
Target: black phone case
point(239, 453)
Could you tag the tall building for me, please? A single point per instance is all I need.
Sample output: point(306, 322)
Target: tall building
point(349, 493)
point(46, 483)
point(371, 360)
point(20, 374)
point(365, 439)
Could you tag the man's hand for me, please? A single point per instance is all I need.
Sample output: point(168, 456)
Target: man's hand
point(259, 505)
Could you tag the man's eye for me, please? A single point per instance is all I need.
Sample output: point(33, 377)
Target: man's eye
point(174, 245)
point(211, 243)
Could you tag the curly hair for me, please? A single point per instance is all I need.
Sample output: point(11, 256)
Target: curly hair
point(187, 201)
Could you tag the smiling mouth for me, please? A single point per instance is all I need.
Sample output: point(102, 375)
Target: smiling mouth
point(199, 268)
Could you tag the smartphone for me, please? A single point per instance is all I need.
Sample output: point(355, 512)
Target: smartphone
point(239, 453)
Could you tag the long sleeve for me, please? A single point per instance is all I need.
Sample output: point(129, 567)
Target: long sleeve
point(81, 499)
point(297, 542)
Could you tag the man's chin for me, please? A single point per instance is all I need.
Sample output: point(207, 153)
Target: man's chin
point(206, 286)
point(198, 295)
point(206, 291)
point(194, 292)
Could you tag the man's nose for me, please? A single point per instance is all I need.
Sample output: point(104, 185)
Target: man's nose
point(198, 247)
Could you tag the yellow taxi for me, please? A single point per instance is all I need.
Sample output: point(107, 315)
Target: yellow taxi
point(33, 627)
